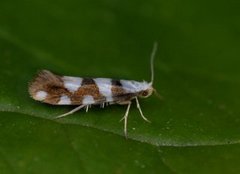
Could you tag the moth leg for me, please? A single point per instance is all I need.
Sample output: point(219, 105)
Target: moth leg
point(72, 111)
point(102, 105)
point(140, 110)
point(125, 118)
point(87, 108)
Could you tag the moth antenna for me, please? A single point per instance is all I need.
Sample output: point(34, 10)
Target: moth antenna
point(155, 45)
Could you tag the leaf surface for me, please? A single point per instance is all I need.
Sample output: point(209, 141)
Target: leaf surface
point(197, 73)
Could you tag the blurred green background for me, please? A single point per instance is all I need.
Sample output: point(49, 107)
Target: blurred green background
point(195, 129)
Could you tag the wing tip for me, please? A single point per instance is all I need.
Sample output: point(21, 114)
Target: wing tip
point(40, 86)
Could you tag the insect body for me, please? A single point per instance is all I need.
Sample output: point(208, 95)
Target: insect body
point(84, 92)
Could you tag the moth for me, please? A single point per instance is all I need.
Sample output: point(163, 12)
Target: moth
point(54, 89)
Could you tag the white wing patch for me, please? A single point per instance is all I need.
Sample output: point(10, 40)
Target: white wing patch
point(40, 95)
point(134, 86)
point(72, 83)
point(88, 100)
point(105, 87)
point(64, 100)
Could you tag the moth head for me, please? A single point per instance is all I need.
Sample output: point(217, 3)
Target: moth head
point(146, 93)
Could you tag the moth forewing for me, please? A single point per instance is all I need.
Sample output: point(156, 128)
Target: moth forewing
point(53, 89)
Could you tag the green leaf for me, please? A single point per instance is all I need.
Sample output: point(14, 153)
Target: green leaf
point(194, 129)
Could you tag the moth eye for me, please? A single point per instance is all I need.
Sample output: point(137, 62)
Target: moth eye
point(144, 93)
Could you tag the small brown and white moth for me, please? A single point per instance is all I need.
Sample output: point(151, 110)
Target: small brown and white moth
point(84, 92)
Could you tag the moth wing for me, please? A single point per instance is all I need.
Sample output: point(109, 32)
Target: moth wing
point(72, 84)
point(47, 87)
